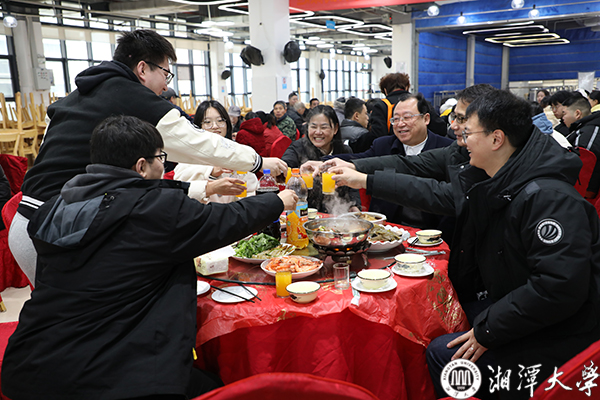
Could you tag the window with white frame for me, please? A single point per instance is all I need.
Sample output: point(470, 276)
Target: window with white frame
point(7, 76)
point(239, 85)
point(300, 81)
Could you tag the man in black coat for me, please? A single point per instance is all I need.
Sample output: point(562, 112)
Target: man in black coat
point(534, 239)
point(113, 314)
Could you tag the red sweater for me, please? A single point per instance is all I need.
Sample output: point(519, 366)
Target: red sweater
point(251, 133)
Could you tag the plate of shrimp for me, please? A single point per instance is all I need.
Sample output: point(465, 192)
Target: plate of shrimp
point(300, 266)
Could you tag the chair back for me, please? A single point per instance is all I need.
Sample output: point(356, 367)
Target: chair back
point(289, 386)
point(589, 162)
point(569, 375)
point(14, 168)
point(6, 121)
point(280, 145)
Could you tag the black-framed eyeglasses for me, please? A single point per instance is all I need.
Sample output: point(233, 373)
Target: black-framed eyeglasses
point(405, 118)
point(461, 119)
point(466, 134)
point(169, 76)
point(162, 157)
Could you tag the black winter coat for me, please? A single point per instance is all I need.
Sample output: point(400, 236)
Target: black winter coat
point(586, 133)
point(536, 243)
point(113, 313)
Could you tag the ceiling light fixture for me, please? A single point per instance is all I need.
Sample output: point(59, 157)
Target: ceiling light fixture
point(434, 10)
point(461, 20)
point(10, 21)
point(516, 4)
point(534, 13)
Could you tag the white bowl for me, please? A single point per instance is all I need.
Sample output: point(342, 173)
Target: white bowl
point(303, 292)
point(410, 263)
point(312, 213)
point(429, 236)
point(295, 275)
point(380, 246)
point(374, 278)
point(373, 217)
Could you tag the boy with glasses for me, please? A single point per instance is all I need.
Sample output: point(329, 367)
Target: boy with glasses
point(114, 313)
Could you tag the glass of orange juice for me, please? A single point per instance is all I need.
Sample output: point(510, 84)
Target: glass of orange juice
point(282, 279)
point(242, 175)
point(308, 179)
point(328, 183)
point(289, 175)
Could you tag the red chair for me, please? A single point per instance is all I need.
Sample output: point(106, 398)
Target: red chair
point(280, 145)
point(571, 374)
point(289, 386)
point(589, 162)
point(6, 330)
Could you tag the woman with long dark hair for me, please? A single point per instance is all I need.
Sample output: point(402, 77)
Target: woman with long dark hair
point(323, 139)
point(213, 117)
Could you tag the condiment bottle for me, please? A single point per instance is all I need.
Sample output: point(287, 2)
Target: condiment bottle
point(296, 234)
point(267, 184)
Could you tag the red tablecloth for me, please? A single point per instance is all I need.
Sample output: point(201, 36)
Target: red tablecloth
point(379, 345)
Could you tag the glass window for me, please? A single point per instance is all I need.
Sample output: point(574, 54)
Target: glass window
point(5, 79)
point(198, 57)
point(47, 16)
point(59, 87)
point(3, 46)
point(183, 56)
point(238, 81)
point(200, 81)
point(100, 23)
point(101, 51)
point(121, 25)
point(73, 18)
point(52, 48)
point(74, 68)
point(76, 49)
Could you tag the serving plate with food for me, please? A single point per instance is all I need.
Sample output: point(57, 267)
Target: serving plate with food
point(386, 237)
point(261, 247)
point(300, 266)
point(373, 217)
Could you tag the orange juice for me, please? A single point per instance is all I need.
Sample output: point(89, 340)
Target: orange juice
point(282, 279)
point(289, 175)
point(308, 179)
point(242, 175)
point(328, 183)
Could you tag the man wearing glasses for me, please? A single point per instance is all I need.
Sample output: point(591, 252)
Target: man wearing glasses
point(130, 84)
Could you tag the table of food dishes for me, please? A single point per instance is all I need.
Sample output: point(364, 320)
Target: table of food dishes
point(266, 306)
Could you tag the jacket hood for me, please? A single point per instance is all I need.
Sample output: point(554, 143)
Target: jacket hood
point(591, 120)
point(542, 122)
point(88, 79)
point(541, 157)
point(253, 126)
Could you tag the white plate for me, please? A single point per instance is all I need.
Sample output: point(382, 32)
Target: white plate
point(222, 297)
point(378, 217)
point(255, 260)
point(378, 247)
point(202, 287)
point(391, 284)
point(426, 271)
point(414, 241)
point(295, 275)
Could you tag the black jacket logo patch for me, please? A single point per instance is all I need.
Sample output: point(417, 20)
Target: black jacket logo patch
point(549, 231)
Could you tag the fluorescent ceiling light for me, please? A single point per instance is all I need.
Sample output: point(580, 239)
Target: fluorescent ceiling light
point(204, 3)
point(534, 13)
point(555, 42)
point(358, 30)
point(324, 45)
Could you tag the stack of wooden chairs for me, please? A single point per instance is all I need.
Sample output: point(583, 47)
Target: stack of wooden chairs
point(23, 125)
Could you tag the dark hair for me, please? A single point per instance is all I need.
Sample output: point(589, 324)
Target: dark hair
point(546, 93)
point(250, 115)
point(122, 140)
point(371, 105)
point(503, 110)
point(143, 45)
point(353, 105)
point(292, 95)
point(467, 95)
point(281, 102)
point(395, 81)
point(422, 104)
point(201, 112)
point(560, 97)
point(330, 114)
point(545, 102)
point(313, 99)
point(578, 102)
point(595, 95)
point(535, 108)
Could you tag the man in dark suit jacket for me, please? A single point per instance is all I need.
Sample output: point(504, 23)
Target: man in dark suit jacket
point(410, 119)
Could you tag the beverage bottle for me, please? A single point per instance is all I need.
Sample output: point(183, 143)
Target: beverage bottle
point(267, 184)
point(296, 234)
point(242, 176)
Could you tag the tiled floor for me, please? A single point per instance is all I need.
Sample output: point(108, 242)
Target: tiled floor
point(13, 301)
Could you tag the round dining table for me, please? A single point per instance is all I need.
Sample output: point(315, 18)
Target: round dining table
point(375, 340)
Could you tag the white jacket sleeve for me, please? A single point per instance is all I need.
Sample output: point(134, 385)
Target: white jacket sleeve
point(197, 176)
point(186, 143)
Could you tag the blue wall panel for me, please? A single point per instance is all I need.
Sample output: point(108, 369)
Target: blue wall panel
point(488, 63)
point(557, 61)
point(442, 62)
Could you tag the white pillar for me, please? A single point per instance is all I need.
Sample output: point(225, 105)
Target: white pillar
point(269, 32)
point(314, 68)
point(217, 58)
point(402, 48)
point(29, 52)
point(505, 67)
point(470, 61)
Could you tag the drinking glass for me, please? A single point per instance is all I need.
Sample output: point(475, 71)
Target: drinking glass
point(341, 276)
point(328, 183)
point(282, 279)
point(308, 179)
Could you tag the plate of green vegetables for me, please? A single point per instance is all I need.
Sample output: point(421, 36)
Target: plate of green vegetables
point(261, 247)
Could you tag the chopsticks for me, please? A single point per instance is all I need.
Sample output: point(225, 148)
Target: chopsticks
point(233, 294)
point(248, 290)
